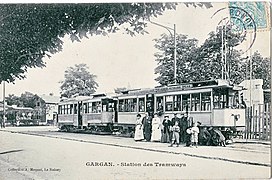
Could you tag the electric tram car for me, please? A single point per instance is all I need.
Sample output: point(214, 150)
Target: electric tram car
point(214, 103)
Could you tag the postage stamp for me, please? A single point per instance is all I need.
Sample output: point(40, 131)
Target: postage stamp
point(257, 10)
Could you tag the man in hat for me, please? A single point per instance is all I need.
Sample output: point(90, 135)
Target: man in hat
point(174, 119)
point(183, 127)
point(147, 123)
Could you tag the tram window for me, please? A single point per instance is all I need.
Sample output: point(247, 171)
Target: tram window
point(60, 109)
point(75, 108)
point(159, 105)
point(126, 105)
point(141, 105)
point(134, 105)
point(220, 98)
point(168, 103)
point(96, 107)
point(195, 104)
point(186, 102)
point(67, 109)
point(64, 109)
point(71, 108)
point(233, 100)
point(99, 107)
point(110, 107)
point(206, 101)
point(85, 107)
point(121, 105)
point(131, 105)
point(89, 107)
point(177, 102)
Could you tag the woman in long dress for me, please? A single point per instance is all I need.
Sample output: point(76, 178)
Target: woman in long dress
point(139, 134)
point(166, 130)
point(156, 128)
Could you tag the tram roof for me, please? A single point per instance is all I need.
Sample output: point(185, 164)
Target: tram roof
point(179, 87)
point(92, 97)
point(77, 98)
point(219, 82)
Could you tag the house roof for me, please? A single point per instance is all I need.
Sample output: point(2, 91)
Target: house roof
point(50, 99)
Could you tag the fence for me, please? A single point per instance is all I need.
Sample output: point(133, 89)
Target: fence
point(258, 122)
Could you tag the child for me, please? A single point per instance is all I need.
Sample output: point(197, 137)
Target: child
point(176, 131)
point(194, 135)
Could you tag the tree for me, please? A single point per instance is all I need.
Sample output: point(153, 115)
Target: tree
point(165, 58)
point(29, 32)
point(26, 99)
point(207, 59)
point(78, 81)
point(260, 69)
point(197, 63)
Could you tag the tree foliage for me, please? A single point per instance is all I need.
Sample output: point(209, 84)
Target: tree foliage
point(260, 69)
point(207, 59)
point(26, 99)
point(165, 56)
point(78, 81)
point(30, 32)
point(204, 62)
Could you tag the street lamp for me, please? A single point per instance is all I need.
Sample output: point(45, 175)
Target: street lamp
point(175, 46)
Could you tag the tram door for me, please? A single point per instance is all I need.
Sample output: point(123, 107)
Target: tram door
point(109, 110)
point(115, 111)
point(150, 104)
point(79, 113)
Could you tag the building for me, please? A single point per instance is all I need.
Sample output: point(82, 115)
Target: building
point(252, 91)
point(51, 108)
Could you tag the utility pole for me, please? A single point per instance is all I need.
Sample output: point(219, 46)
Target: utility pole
point(4, 105)
point(175, 55)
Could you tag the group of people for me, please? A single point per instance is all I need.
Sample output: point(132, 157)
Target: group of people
point(148, 128)
point(175, 131)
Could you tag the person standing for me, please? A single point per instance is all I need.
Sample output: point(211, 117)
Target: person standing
point(173, 121)
point(139, 135)
point(156, 128)
point(183, 127)
point(1, 121)
point(194, 134)
point(189, 120)
point(147, 126)
point(176, 131)
point(166, 129)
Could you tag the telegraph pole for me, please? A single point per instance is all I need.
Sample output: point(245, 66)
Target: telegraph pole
point(175, 55)
point(4, 105)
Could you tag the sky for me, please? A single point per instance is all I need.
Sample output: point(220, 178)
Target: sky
point(120, 60)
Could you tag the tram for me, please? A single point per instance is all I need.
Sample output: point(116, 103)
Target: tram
point(95, 112)
point(213, 103)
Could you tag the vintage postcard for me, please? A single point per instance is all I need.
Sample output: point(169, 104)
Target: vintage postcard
point(135, 90)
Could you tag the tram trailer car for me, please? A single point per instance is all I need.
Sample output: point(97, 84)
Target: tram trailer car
point(94, 113)
point(214, 103)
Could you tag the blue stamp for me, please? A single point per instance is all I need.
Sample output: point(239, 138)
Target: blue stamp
point(246, 11)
